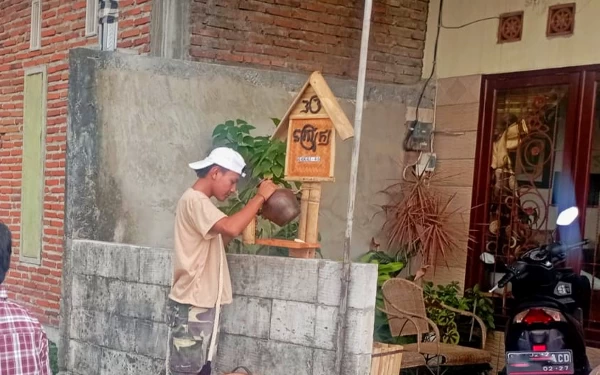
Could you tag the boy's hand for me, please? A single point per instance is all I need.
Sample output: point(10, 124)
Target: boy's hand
point(266, 189)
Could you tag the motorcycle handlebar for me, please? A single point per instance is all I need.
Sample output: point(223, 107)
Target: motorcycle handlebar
point(558, 251)
point(506, 279)
point(519, 268)
point(577, 244)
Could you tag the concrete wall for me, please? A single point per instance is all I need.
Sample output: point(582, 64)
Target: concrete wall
point(135, 123)
point(282, 320)
point(474, 49)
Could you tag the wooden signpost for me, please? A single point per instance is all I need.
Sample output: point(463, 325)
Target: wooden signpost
point(310, 127)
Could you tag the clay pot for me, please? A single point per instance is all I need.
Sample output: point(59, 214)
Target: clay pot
point(281, 208)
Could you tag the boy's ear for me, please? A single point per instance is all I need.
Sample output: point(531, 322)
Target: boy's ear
point(214, 171)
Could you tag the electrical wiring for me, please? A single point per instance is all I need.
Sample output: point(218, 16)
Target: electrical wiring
point(440, 25)
point(469, 23)
point(433, 65)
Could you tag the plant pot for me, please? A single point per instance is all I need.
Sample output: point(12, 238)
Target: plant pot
point(282, 207)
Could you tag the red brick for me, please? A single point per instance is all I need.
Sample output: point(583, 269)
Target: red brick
point(129, 33)
point(132, 12)
point(79, 5)
point(48, 32)
point(38, 288)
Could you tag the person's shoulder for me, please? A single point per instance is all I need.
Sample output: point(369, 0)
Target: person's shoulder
point(14, 313)
point(195, 198)
point(189, 199)
point(194, 195)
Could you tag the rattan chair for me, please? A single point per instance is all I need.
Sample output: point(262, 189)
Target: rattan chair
point(405, 309)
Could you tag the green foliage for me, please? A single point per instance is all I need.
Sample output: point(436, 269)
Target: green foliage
point(485, 305)
point(53, 357)
point(449, 295)
point(265, 159)
point(389, 266)
point(448, 322)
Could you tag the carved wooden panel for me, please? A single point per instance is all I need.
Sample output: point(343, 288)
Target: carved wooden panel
point(561, 20)
point(310, 148)
point(510, 27)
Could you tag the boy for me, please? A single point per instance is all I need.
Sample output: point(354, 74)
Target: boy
point(201, 230)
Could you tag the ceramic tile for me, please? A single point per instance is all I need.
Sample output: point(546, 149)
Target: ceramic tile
point(459, 117)
point(458, 90)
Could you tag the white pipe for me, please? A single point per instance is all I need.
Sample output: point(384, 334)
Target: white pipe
point(358, 114)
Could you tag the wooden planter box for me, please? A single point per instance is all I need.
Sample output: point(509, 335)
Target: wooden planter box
point(386, 359)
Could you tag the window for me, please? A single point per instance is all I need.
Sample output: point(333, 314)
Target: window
point(34, 140)
point(91, 18)
point(36, 25)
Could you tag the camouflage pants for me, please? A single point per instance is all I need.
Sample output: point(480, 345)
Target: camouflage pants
point(190, 331)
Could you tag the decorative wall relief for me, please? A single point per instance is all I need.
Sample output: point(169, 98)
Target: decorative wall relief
point(561, 20)
point(510, 27)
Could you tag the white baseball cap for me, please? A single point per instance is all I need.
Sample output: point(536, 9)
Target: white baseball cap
point(224, 157)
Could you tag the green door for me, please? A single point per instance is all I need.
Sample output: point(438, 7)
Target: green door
point(32, 193)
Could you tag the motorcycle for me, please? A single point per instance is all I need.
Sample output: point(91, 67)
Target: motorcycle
point(544, 333)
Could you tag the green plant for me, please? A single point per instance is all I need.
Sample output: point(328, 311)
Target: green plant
point(265, 158)
point(388, 266)
point(444, 318)
point(482, 305)
point(448, 321)
point(53, 357)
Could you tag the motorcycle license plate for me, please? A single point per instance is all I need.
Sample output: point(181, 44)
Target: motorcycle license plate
point(534, 363)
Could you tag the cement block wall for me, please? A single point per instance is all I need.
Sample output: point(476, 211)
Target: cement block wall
point(136, 122)
point(282, 320)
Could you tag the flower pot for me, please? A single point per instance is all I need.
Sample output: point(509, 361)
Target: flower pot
point(282, 207)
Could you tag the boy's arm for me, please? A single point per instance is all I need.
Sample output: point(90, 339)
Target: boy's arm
point(234, 225)
point(226, 240)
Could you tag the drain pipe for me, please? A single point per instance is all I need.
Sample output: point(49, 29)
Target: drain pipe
point(358, 114)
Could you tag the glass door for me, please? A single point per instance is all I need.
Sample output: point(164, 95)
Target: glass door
point(538, 151)
point(523, 155)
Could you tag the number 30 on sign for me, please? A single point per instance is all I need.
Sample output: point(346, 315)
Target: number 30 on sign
point(310, 152)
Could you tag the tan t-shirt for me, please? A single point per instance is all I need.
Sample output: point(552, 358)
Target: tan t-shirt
point(196, 258)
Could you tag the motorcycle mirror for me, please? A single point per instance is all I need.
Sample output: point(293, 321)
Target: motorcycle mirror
point(487, 258)
point(568, 216)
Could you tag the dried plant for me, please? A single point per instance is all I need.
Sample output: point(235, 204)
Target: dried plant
point(420, 220)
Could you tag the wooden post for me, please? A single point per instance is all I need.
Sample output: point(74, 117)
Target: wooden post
point(249, 233)
point(308, 227)
point(312, 215)
point(303, 211)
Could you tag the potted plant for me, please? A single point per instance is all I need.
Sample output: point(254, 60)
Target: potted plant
point(454, 328)
point(388, 266)
point(420, 220)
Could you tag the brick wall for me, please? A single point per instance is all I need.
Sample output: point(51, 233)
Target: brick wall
point(38, 287)
point(307, 35)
